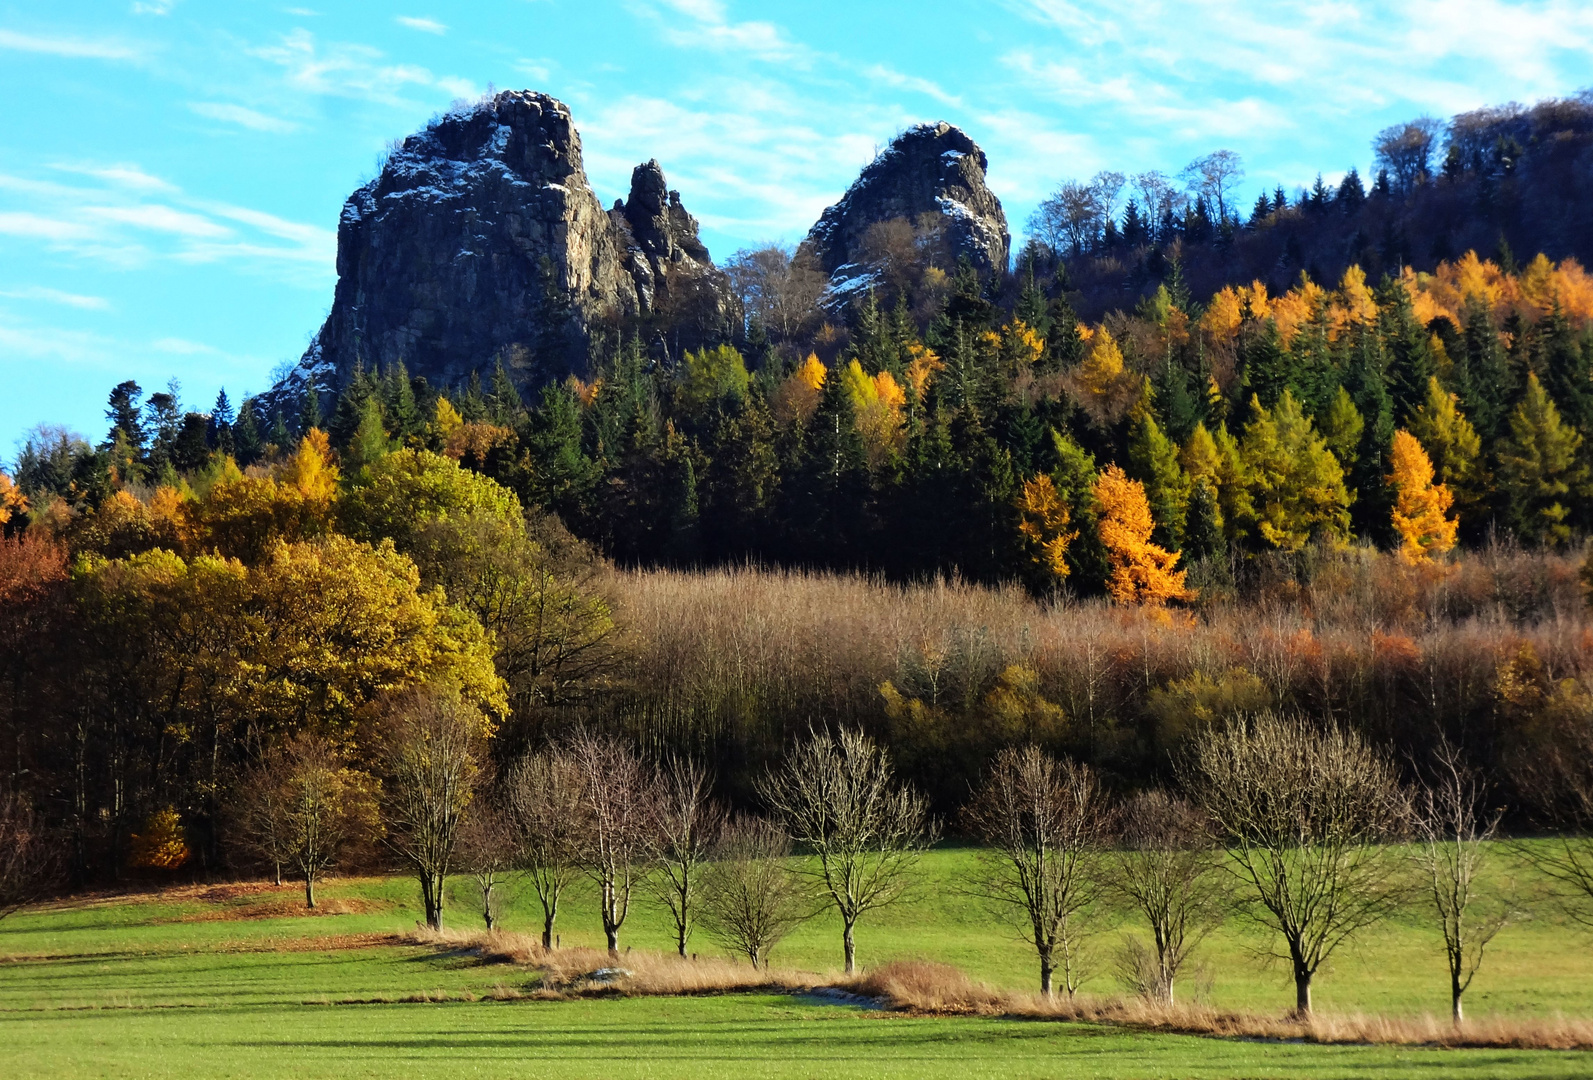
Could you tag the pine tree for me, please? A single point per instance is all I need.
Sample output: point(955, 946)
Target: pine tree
point(1268, 368)
point(1142, 572)
point(126, 416)
point(370, 440)
point(1492, 386)
point(1538, 468)
point(310, 412)
point(1204, 533)
point(1153, 461)
point(1421, 507)
point(399, 408)
point(351, 404)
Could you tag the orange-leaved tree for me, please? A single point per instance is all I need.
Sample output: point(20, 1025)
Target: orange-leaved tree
point(1043, 519)
point(1421, 507)
point(1142, 573)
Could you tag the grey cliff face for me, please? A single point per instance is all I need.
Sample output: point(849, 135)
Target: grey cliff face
point(659, 236)
point(482, 241)
point(928, 169)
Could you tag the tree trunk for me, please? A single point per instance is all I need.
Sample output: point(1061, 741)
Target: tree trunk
point(612, 933)
point(1455, 990)
point(680, 940)
point(1047, 969)
point(309, 890)
point(547, 927)
point(1302, 993)
point(851, 949)
point(431, 896)
point(277, 866)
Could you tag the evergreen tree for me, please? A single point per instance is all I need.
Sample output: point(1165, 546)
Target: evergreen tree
point(222, 418)
point(1203, 532)
point(1539, 472)
point(504, 405)
point(1368, 389)
point(125, 413)
point(399, 408)
point(1491, 387)
point(1179, 408)
point(1564, 368)
point(1153, 461)
point(1074, 477)
point(350, 409)
point(1266, 366)
point(1409, 352)
point(1352, 193)
point(310, 413)
point(247, 442)
point(191, 448)
point(563, 476)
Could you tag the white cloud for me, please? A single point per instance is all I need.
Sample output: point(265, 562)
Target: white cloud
point(710, 28)
point(70, 48)
point(424, 25)
point(153, 7)
point(131, 219)
point(56, 296)
point(243, 117)
point(346, 70)
point(891, 77)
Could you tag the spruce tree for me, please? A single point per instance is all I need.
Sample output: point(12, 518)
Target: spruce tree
point(1203, 531)
point(125, 412)
point(1342, 427)
point(1539, 471)
point(399, 409)
point(1409, 352)
point(310, 412)
point(247, 442)
point(222, 418)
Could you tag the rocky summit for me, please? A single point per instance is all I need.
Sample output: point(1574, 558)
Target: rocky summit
point(933, 169)
point(482, 241)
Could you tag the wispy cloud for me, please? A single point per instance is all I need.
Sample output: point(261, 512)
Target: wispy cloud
point(153, 7)
point(348, 70)
point(709, 27)
point(130, 219)
point(56, 296)
point(424, 25)
point(68, 47)
point(243, 117)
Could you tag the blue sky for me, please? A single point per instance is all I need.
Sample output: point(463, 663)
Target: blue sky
point(171, 171)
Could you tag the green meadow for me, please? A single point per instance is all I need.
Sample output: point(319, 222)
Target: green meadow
point(234, 982)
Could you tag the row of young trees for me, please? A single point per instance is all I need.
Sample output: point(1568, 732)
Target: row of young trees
point(1283, 823)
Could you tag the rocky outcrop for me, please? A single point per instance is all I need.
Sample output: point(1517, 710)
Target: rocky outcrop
point(482, 241)
point(929, 169)
point(659, 237)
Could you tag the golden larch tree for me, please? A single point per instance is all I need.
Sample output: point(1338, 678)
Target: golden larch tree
point(1142, 572)
point(1421, 507)
point(1043, 519)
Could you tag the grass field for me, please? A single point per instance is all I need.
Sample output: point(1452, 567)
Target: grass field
point(233, 982)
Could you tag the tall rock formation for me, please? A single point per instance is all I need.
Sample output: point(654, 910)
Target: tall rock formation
point(482, 241)
point(928, 169)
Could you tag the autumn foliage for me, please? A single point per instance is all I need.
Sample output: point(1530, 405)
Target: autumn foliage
point(1142, 572)
point(1421, 506)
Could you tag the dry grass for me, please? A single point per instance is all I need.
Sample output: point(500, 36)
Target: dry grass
point(926, 987)
point(579, 971)
point(922, 986)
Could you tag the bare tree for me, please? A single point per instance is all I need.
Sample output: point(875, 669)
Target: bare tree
point(687, 825)
point(619, 802)
point(262, 815)
point(838, 798)
point(1166, 868)
point(28, 864)
point(1452, 850)
point(323, 806)
point(1072, 219)
point(751, 896)
point(1216, 177)
point(1043, 820)
point(1160, 197)
point(1406, 150)
point(545, 807)
point(1304, 813)
point(778, 286)
point(489, 853)
point(433, 749)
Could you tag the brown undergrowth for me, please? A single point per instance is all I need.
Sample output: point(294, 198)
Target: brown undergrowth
point(926, 988)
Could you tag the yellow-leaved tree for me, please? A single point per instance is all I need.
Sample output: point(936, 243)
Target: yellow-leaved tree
point(877, 402)
point(1421, 507)
point(1142, 572)
point(1043, 519)
point(12, 501)
point(1105, 389)
point(795, 399)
